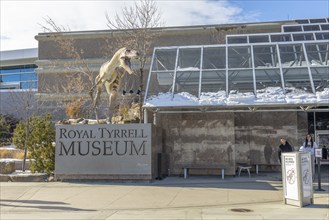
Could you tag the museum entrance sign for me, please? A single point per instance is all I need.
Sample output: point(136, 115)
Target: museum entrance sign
point(297, 178)
point(103, 151)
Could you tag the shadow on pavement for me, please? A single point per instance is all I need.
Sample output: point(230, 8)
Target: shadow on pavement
point(35, 202)
point(40, 204)
point(317, 206)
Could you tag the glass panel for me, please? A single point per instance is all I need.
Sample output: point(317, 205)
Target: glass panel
point(189, 58)
point(10, 85)
point(322, 36)
point(292, 55)
point(15, 77)
point(297, 78)
point(187, 81)
point(268, 78)
point(239, 57)
point(280, 37)
point(162, 73)
point(317, 54)
point(28, 77)
point(188, 71)
point(240, 81)
point(164, 59)
point(302, 21)
point(29, 85)
point(213, 81)
point(258, 39)
point(265, 56)
point(311, 27)
point(318, 57)
point(11, 78)
point(325, 27)
point(292, 29)
point(320, 77)
point(302, 37)
point(214, 58)
point(160, 82)
point(237, 40)
point(295, 72)
point(321, 20)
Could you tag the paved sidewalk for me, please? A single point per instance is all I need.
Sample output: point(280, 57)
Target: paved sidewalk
point(258, 197)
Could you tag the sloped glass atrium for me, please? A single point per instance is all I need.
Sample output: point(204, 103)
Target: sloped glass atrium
point(290, 67)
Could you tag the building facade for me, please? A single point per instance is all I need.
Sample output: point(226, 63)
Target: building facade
point(219, 95)
point(18, 81)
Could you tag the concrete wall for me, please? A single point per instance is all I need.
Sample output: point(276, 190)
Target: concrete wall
point(15, 102)
point(257, 135)
point(199, 140)
point(226, 139)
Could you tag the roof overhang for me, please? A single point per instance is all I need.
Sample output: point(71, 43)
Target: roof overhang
point(311, 107)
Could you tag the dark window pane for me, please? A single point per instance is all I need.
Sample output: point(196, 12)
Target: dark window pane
point(321, 20)
point(325, 27)
point(258, 39)
point(311, 27)
point(292, 29)
point(302, 21)
point(237, 40)
point(280, 38)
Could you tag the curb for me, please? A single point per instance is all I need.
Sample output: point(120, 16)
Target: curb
point(24, 178)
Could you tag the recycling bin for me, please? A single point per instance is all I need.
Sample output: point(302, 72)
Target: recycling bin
point(297, 178)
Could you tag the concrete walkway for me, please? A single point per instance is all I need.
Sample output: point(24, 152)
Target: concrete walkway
point(258, 197)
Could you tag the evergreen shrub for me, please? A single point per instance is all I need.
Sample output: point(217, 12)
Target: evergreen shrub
point(41, 135)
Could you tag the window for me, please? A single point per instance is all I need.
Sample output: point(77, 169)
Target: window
point(321, 20)
point(188, 71)
point(292, 28)
point(18, 77)
point(237, 39)
point(311, 27)
point(258, 39)
point(303, 36)
point(325, 27)
point(280, 37)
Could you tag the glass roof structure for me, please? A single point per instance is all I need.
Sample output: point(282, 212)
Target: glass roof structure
point(290, 67)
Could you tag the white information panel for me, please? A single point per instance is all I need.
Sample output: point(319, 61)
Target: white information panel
point(306, 172)
point(318, 153)
point(291, 189)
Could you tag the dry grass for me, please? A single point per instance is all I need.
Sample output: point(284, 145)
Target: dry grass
point(17, 154)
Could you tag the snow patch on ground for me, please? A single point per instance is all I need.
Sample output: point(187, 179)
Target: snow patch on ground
point(9, 147)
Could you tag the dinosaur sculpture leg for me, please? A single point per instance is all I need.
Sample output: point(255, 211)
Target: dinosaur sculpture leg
point(113, 94)
point(96, 100)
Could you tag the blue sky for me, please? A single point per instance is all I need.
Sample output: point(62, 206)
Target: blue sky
point(274, 10)
point(17, 32)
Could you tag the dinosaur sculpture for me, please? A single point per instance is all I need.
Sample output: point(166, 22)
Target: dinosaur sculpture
point(110, 75)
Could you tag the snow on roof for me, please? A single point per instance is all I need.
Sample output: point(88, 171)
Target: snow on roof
point(267, 96)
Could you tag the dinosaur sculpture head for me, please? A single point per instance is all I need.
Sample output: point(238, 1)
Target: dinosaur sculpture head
point(128, 53)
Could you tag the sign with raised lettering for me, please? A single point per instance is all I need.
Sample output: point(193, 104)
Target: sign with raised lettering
point(103, 149)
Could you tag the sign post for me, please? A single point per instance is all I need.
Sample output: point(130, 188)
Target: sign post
point(297, 178)
point(318, 156)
